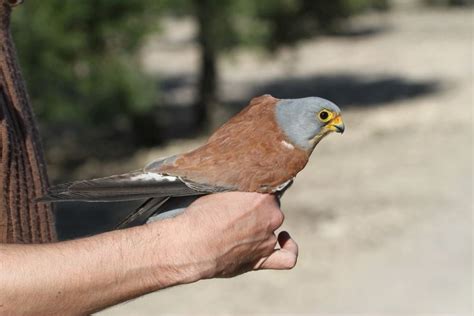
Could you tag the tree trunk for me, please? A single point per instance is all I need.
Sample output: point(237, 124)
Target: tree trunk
point(207, 86)
point(22, 169)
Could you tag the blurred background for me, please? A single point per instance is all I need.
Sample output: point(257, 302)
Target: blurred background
point(382, 215)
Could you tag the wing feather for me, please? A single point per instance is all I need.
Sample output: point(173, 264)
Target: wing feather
point(129, 186)
point(145, 211)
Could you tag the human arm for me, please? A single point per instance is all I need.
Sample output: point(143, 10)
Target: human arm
point(218, 236)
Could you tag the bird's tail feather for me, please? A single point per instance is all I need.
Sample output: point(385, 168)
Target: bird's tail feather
point(141, 215)
point(130, 186)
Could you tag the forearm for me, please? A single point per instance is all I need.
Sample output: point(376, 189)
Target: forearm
point(219, 235)
point(91, 273)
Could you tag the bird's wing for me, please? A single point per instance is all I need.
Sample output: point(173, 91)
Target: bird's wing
point(129, 186)
point(172, 208)
point(155, 209)
point(152, 211)
point(145, 211)
point(203, 186)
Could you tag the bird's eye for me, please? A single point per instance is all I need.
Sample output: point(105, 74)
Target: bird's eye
point(324, 116)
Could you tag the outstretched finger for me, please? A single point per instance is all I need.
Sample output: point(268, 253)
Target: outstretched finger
point(286, 242)
point(283, 258)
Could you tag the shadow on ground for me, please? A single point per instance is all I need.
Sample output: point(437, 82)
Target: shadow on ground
point(350, 90)
point(346, 90)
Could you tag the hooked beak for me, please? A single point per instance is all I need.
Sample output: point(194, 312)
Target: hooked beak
point(336, 125)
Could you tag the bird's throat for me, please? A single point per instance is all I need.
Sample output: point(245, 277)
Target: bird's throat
point(316, 139)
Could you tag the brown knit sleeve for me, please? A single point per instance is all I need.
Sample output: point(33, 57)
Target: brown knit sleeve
point(22, 169)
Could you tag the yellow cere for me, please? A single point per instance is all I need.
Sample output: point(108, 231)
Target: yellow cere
point(337, 120)
point(336, 125)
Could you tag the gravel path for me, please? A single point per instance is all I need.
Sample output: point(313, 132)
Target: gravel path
point(382, 214)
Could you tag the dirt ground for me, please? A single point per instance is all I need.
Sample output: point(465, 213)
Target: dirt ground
point(382, 214)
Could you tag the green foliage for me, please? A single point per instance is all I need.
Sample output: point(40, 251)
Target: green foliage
point(290, 21)
point(273, 23)
point(78, 58)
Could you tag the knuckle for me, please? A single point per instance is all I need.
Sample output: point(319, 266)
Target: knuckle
point(277, 218)
point(264, 199)
point(272, 200)
point(260, 200)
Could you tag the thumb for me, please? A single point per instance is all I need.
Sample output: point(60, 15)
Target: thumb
point(283, 258)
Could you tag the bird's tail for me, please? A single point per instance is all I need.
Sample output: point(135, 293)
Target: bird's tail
point(141, 215)
point(129, 186)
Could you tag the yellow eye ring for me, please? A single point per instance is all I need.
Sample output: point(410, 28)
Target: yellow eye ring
point(324, 116)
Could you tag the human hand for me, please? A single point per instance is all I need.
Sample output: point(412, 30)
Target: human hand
point(232, 233)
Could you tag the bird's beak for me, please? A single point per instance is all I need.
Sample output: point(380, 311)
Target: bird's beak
point(336, 125)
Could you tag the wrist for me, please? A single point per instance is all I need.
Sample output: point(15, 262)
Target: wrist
point(174, 252)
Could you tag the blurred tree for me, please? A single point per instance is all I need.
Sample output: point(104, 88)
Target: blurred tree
point(208, 17)
point(290, 21)
point(79, 59)
point(216, 32)
point(225, 24)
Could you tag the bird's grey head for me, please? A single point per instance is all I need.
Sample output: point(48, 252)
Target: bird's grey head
point(306, 121)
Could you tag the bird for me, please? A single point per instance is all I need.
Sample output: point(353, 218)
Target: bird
point(260, 149)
